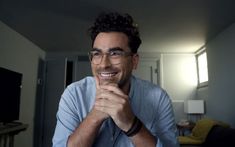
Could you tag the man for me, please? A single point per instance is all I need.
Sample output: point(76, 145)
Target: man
point(114, 108)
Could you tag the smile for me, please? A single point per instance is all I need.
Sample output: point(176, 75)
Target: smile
point(107, 74)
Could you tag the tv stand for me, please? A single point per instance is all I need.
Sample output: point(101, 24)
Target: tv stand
point(8, 131)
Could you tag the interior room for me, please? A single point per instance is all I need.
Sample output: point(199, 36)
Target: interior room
point(47, 42)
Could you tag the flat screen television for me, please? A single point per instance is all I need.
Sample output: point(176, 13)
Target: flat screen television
point(10, 89)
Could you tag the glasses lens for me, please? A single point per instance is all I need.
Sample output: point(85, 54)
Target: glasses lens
point(114, 57)
point(95, 57)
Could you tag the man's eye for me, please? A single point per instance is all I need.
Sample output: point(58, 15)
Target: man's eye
point(115, 53)
point(96, 54)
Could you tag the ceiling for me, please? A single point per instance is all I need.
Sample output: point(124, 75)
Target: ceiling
point(176, 26)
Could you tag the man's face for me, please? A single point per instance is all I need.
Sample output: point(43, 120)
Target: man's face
point(113, 73)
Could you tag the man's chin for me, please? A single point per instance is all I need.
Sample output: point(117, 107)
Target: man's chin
point(108, 81)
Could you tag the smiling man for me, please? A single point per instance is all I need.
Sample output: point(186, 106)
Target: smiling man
point(114, 108)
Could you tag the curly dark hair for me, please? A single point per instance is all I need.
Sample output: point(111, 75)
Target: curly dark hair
point(115, 22)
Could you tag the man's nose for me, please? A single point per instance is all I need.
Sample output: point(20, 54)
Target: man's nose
point(105, 61)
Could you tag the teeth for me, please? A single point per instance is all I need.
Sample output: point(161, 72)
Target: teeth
point(107, 74)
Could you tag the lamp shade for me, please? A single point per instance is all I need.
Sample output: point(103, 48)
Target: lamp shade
point(194, 106)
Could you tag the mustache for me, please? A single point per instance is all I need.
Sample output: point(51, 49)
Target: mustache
point(109, 69)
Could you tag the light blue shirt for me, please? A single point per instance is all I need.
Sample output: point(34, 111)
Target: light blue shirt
point(149, 103)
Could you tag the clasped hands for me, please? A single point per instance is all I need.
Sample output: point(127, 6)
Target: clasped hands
point(112, 102)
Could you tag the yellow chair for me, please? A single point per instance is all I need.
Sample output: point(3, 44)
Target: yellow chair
point(200, 132)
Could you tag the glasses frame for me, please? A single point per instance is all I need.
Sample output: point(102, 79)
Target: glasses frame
point(123, 54)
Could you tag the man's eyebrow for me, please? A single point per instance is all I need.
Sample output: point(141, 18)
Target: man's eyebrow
point(116, 49)
point(111, 49)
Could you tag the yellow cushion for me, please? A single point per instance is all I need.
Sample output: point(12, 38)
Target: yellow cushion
point(189, 140)
point(200, 131)
point(202, 128)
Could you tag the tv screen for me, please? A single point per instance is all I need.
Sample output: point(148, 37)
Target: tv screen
point(10, 88)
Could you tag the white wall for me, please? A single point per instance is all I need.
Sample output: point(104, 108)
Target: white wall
point(221, 67)
point(179, 79)
point(179, 75)
point(20, 55)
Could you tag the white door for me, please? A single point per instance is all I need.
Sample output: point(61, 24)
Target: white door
point(147, 70)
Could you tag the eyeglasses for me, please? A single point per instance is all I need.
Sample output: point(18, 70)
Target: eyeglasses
point(114, 56)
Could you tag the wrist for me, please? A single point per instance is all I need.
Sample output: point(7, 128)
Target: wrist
point(95, 118)
point(135, 127)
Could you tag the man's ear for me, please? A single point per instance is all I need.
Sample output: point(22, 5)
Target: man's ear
point(135, 61)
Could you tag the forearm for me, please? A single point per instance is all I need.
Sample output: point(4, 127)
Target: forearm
point(143, 138)
point(85, 133)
